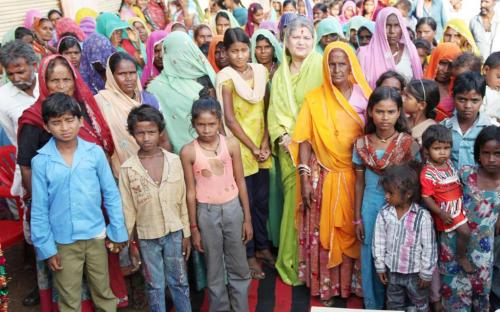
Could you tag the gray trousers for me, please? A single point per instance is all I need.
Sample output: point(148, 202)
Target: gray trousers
point(405, 286)
point(221, 231)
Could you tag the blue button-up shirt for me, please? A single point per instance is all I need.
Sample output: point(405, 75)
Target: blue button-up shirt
point(66, 200)
point(462, 150)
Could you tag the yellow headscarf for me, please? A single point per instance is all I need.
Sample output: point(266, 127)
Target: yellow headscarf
point(331, 125)
point(84, 12)
point(460, 26)
point(135, 19)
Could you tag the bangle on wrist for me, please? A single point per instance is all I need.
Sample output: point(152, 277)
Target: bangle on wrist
point(356, 222)
point(193, 226)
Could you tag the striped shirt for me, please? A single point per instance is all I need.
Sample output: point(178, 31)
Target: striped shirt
point(407, 245)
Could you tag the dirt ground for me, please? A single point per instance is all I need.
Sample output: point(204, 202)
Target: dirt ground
point(22, 280)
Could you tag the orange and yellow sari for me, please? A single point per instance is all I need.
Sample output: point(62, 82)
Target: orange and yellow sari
point(328, 246)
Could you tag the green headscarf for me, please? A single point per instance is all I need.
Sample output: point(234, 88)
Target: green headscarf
point(103, 20)
point(9, 35)
point(278, 51)
point(288, 92)
point(327, 26)
point(176, 88)
point(355, 23)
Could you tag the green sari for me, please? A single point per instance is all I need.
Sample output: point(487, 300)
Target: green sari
point(275, 191)
point(287, 95)
point(176, 88)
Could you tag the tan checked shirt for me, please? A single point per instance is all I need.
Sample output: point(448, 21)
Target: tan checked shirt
point(155, 210)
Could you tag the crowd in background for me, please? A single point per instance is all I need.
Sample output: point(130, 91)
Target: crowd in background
point(353, 146)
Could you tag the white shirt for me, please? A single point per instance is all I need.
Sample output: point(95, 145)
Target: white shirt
point(13, 102)
point(404, 66)
point(491, 105)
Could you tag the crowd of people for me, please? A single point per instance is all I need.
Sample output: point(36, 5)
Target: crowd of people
point(353, 146)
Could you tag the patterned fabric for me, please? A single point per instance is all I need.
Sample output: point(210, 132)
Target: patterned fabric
point(406, 245)
point(341, 280)
point(463, 292)
point(96, 49)
point(397, 152)
point(443, 186)
point(4, 292)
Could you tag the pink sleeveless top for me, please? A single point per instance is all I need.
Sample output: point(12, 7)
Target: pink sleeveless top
point(214, 187)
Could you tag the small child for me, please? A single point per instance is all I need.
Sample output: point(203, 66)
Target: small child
point(442, 191)
point(420, 98)
point(491, 71)
point(216, 192)
point(69, 178)
point(154, 202)
point(404, 243)
point(467, 122)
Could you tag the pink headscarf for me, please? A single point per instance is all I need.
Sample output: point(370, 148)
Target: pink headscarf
point(376, 58)
point(271, 26)
point(252, 9)
point(87, 25)
point(30, 18)
point(150, 70)
point(66, 24)
point(347, 4)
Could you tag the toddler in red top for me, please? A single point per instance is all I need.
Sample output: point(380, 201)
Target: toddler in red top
point(442, 190)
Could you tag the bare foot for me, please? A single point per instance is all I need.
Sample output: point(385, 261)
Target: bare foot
point(466, 265)
point(266, 256)
point(255, 269)
point(437, 306)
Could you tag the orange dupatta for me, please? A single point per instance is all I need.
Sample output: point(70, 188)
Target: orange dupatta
point(211, 51)
point(331, 125)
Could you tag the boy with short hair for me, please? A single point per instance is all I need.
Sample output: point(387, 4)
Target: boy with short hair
point(468, 93)
point(69, 178)
point(154, 202)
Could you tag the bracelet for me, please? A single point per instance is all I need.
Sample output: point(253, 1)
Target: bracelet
point(193, 226)
point(356, 222)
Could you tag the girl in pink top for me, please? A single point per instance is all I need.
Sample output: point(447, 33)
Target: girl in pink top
point(218, 208)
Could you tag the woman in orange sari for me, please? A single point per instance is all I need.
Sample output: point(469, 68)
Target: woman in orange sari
point(331, 119)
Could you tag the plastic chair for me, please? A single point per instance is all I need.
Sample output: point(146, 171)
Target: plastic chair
point(11, 231)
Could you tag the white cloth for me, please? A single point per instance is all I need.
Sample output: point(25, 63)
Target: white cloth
point(13, 102)
point(491, 105)
point(487, 43)
point(404, 66)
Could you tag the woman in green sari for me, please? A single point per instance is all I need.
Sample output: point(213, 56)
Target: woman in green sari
point(297, 75)
point(185, 73)
point(266, 50)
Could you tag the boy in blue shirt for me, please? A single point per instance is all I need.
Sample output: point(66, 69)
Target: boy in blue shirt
point(465, 125)
point(69, 178)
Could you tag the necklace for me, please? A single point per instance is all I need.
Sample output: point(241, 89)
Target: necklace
point(384, 140)
point(245, 71)
point(211, 150)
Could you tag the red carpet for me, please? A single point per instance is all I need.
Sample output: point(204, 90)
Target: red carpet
point(271, 294)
